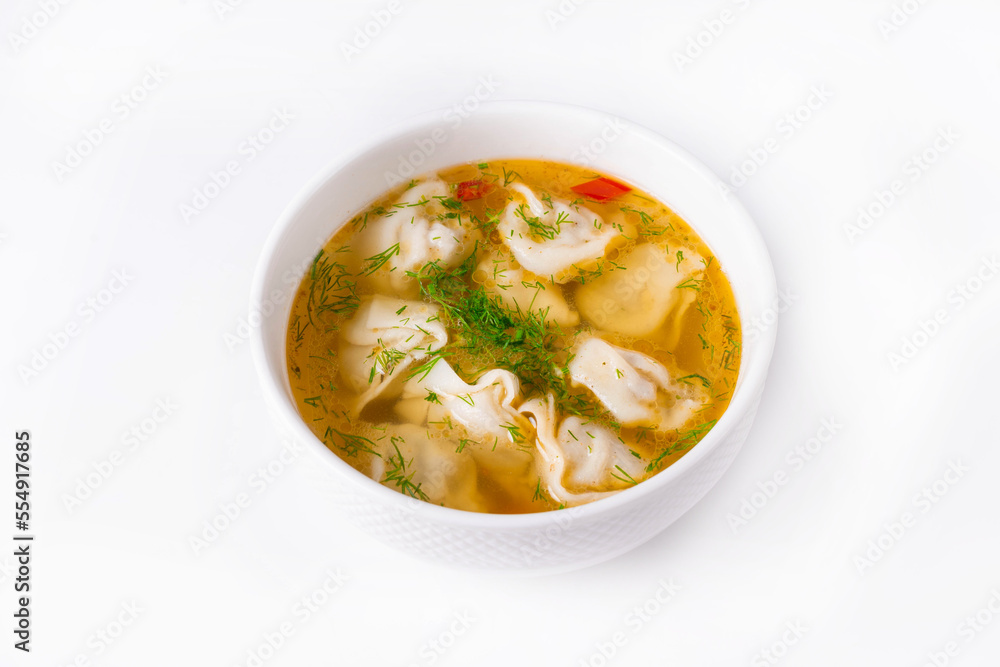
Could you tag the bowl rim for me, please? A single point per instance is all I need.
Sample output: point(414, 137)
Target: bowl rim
point(750, 379)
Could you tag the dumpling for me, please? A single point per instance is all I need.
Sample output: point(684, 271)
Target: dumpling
point(549, 240)
point(384, 338)
point(580, 461)
point(416, 230)
point(428, 468)
point(637, 390)
point(524, 291)
point(636, 299)
point(484, 408)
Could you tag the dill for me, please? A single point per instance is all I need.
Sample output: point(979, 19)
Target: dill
point(515, 432)
point(332, 289)
point(424, 367)
point(704, 381)
point(539, 493)
point(449, 203)
point(509, 176)
point(385, 361)
point(376, 262)
point(647, 223)
point(431, 397)
point(625, 477)
point(395, 472)
point(316, 402)
point(523, 342)
point(731, 353)
point(350, 444)
point(691, 283)
point(536, 227)
point(685, 441)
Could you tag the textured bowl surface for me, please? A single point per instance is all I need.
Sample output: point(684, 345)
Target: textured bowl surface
point(550, 541)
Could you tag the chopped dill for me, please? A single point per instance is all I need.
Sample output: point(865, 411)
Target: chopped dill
point(385, 362)
point(376, 262)
point(691, 283)
point(509, 176)
point(624, 476)
point(395, 471)
point(537, 228)
point(685, 441)
point(332, 290)
point(350, 444)
point(704, 381)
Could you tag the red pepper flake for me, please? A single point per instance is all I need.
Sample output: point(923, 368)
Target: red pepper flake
point(601, 189)
point(469, 190)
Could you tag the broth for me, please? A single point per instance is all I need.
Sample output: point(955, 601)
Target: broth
point(424, 350)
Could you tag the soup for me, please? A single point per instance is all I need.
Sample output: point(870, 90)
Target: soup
point(513, 336)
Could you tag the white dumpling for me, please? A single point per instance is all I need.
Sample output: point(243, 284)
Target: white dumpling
point(383, 339)
point(427, 468)
point(580, 461)
point(485, 408)
point(524, 291)
point(420, 225)
point(636, 299)
point(637, 390)
point(573, 234)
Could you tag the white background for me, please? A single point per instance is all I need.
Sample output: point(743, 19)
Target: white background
point(173, 333)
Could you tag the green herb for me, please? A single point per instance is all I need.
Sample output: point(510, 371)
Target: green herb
point(537, 227)
point(540, 495)
point(316, 402)
point(687, 380)
point(515, 432)
point(524, 342)
point(449, 203)
point(731, 353)
point(351, 444)
point(395, 472)
point(691, 283)
point(332, 290)
point(385, 361)
point(647, 224)
point(685, 440)
point(509, 176)
point(376, 262)
point(624, 477)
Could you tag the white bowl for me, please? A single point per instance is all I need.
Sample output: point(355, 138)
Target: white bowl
point(549, 541)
